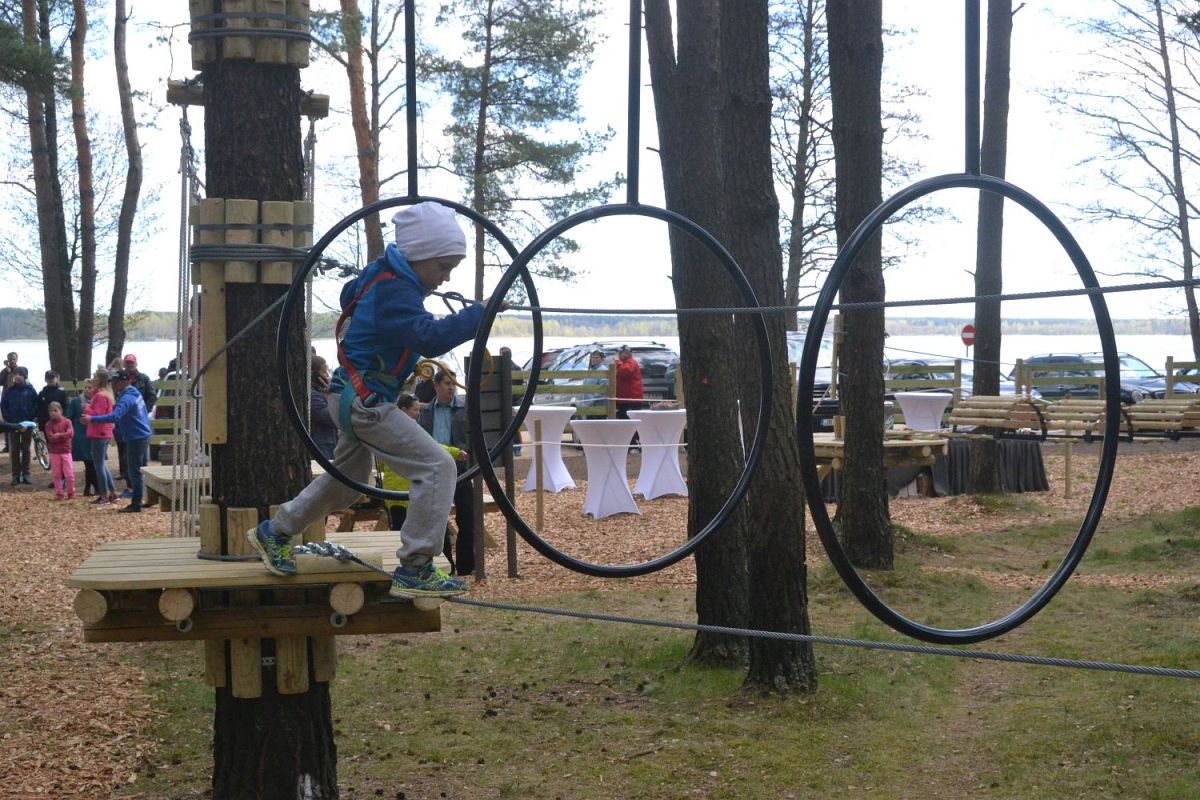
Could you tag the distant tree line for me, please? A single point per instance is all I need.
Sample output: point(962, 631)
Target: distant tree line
point(27, 323)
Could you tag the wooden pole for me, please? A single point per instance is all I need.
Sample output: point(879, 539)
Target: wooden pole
point(538, 465)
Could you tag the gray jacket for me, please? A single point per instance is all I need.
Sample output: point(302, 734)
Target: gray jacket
point(458, 421)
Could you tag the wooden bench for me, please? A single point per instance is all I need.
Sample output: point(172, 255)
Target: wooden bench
point(1172, 377)
point(1083, 418)
point(601, 382)
point(1004, 413)
point(1172, 418)
point(932, 377)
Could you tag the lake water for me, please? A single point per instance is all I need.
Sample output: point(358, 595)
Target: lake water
point(1152, 349)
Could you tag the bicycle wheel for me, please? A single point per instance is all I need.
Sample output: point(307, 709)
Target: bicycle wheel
point(43, 454)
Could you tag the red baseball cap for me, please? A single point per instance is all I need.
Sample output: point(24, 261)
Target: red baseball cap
point(129, 358)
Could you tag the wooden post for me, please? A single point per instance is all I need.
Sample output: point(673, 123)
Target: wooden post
point(1170, 376)
point(1067, 469)
point(241, 212)
point(245, 654)
point(297, 49)
point(276, 212)
point(270, 50)
point(211, 211)
point(612, 395)
point(238, 46)
point(203, 48)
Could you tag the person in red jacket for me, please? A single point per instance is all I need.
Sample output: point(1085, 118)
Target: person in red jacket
point(629, 382)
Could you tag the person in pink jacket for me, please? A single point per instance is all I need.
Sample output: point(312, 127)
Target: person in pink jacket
point(98, 435)
point(59, 432)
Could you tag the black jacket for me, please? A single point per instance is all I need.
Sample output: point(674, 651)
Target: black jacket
point(48, 395)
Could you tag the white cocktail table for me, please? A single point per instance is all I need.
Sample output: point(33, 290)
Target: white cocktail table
point(660, 432)
point(554, 421)
point(923, 410)
point(605, 449)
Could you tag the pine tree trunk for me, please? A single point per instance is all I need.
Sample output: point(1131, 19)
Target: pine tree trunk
point(368, 154)
point(687, 104)
point(272, 746)
point(87, 197)
point(855, 65)
point(775, 511)
point(133, 189)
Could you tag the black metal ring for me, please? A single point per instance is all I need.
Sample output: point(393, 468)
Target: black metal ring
point(296, 291)
point(808, 467)
point(475, 422)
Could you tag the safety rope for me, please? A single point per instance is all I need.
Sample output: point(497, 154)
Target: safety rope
point(341, 553)
point(896, 647)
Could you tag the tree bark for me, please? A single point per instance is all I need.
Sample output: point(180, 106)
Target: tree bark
point(368, 151)
point(688, 105)
point(272, 746)
point(855, 66)
point(479, 174)
point(52, 240)
point(795, 267)
point(87, 199)
point(774, 510)
point(133, 189)
point(989, 250)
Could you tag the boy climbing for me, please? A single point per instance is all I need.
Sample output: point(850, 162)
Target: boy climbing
point(386, 330)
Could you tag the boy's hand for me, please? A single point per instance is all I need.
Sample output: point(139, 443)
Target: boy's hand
point(503, 304)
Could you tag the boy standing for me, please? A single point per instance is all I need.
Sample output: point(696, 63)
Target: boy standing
point(387, 330)
point(50, 393)
point(20, 404)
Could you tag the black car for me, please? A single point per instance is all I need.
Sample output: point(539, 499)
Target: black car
point(1139, 380)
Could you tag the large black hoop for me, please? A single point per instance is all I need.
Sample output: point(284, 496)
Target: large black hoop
point(474, 372)
point(812, 487)
point(296, 291)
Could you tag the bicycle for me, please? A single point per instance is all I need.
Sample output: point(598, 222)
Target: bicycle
point(40, 448)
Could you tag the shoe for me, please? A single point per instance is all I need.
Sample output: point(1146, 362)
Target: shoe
point(87, 492)
point(125, 495)
point(16, 480)
point(130, 509)
point(428, 581)
point(101, 501)
point(71, 497)
point(58, 498)
point(28, 480)
point(276, 555)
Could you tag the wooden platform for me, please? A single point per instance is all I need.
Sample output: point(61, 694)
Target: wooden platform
point(159, 590)
point(900, 448)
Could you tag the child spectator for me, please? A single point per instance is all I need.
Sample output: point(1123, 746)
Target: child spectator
point(385, 329)
point(81, 449)
point(98, 435)
point(20, 404)
point(59, 433)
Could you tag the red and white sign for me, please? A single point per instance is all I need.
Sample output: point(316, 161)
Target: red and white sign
point(968, 334)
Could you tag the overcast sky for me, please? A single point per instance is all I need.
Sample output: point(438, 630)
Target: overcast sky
point(626, 262)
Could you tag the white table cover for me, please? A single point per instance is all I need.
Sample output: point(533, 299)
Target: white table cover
point(660, 432)
point(923, 410)
point(605, 449)
point(554, 421)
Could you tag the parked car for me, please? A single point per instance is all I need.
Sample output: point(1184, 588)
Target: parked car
point(658, 363)
point(1138, 379)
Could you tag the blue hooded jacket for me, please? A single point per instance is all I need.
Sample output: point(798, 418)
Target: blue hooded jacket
point(390, 319)
point(20, 403)
point(129, 415)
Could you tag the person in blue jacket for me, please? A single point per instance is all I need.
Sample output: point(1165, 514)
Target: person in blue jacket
point(383, 331)
point(20, 404)
point(132, 427)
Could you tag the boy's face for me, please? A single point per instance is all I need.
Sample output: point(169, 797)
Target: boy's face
point(52, 381)
point(433, 272)
point(11, 359)
point(56, 413)
point(18, 378)
point(413, 410)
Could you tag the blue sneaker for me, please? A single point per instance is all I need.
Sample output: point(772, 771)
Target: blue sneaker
point(428, 581)
point(276, 554)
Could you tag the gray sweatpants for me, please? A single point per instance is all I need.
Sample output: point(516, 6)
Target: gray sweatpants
point(386, 432)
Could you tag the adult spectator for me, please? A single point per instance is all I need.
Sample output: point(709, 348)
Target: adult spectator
point(20, 404)
point(629, 382)
point(10, 364)
point(50, 393)
point(140, 381)
point(445, 418)
point(321, 425)
point(131, 419)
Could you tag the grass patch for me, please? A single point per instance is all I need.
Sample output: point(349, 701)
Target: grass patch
point(509, 705)
point(1159, 542)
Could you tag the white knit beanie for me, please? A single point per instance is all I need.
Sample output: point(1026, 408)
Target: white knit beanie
point(428, 230)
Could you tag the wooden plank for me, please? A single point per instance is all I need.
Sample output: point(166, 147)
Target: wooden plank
point(236, 47)
point(277, 212)
point(215, 664)
point(297, 49)
point(324, 658)
point(241, 212)
point(291, 664)
point(264, 622)
point(270, 50)
point(203, 49)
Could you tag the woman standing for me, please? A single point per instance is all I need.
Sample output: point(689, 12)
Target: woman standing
point(98, 435)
